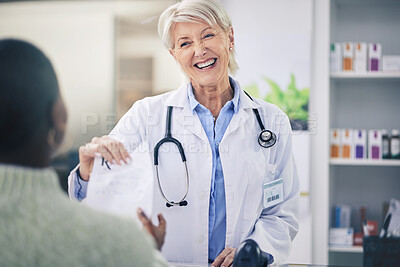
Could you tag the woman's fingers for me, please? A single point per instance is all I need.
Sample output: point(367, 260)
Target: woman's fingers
point(124, 153)
point(229, 258)
point(225, 258)
point(113, 147)
point(111, 150)
point(89, 151)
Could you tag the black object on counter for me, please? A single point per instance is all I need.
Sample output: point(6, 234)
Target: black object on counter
point(380, 252)
point(249, 254)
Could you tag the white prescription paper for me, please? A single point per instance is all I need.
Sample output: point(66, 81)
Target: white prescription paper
point(122, 189)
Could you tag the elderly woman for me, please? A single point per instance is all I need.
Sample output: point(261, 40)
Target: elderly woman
point(242, 181)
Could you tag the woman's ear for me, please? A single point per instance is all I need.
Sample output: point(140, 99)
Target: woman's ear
point(172, 53)
point(58, 123)
point(231, 36)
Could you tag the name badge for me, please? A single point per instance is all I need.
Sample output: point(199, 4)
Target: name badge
point(273, 193)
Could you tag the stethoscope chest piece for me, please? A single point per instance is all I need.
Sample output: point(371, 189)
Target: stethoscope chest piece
point(266, 138)
point(171, 204)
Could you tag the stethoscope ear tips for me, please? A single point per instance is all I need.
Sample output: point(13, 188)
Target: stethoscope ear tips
point(267, 138)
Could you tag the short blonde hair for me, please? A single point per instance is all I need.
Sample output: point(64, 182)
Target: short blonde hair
point(209, 11)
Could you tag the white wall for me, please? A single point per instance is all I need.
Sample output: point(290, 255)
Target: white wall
point(272, 38)
point(79, 41)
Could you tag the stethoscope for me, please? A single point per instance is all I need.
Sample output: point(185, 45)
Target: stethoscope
point(266, 139)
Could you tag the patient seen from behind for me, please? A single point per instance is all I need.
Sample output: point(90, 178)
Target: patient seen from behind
point(39, 225)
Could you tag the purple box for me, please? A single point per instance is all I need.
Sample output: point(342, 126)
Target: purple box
point(374, 56)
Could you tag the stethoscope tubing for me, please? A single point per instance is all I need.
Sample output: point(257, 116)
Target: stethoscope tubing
point(182, 201)
point(169, 139)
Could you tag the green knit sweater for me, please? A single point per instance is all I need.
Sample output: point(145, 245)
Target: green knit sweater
point(40, 226)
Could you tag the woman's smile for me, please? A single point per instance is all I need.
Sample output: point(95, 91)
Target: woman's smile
point(206, 64)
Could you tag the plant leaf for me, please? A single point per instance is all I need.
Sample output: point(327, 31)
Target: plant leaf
point(276, 96)
point(293, 102)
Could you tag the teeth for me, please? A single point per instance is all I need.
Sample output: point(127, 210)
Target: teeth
point(206, 64)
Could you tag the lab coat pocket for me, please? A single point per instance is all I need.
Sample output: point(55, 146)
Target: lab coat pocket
point(260, 173)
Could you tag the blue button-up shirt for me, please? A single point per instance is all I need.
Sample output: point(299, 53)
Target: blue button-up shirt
point(215, 132)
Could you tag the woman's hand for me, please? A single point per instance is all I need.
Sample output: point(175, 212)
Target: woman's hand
point(158, 232)
point(225, 258)
point(111, 150)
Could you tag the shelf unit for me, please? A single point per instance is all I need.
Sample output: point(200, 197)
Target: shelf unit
point(367, 100)
point(363, 101)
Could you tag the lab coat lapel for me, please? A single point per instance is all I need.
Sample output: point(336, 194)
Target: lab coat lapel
point(237, 121)
point(190, 122)
point(245, 105)
point(184, 116)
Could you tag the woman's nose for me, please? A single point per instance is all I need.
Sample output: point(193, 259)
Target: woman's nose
point(200, 50)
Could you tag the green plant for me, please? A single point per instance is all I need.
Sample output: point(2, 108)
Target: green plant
point(293, 101)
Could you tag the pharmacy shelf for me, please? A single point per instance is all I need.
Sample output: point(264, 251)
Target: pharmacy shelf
point(353, 75)
point(348, 99)
point(352, 249)
point(365, 162)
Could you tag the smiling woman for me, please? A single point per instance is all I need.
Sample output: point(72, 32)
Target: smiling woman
point(202, 42)
point(236, 190)
point(210, 13)
point(203, 51)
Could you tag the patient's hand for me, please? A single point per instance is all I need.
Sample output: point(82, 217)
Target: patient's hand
point(158, 232)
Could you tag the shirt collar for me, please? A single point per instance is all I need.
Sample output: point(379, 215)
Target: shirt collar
point(235, 100)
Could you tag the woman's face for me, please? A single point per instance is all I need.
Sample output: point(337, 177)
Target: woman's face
point(202, 51)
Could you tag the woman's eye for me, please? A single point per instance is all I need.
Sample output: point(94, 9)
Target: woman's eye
point(184, 44)
point(208, 35)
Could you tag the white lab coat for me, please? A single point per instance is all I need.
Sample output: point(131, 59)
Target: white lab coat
point(245, 166)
